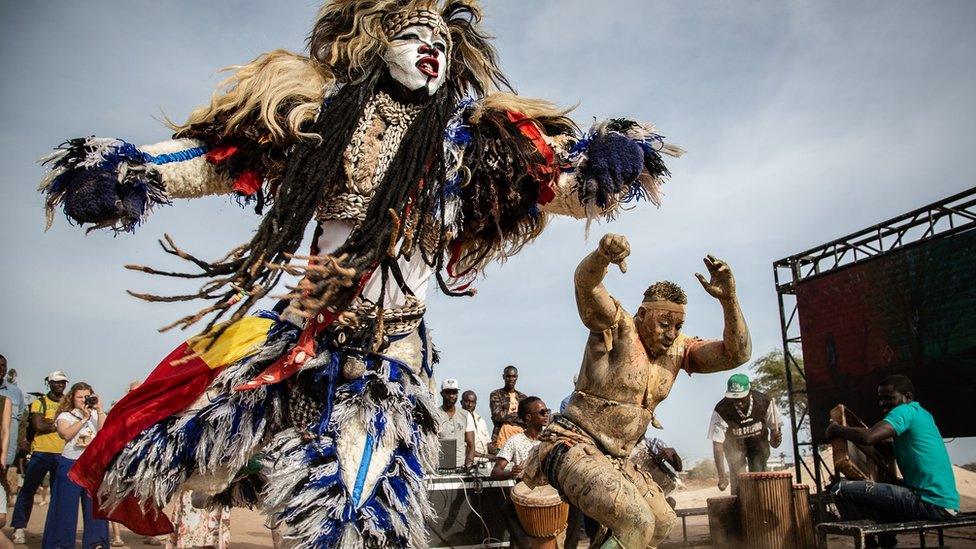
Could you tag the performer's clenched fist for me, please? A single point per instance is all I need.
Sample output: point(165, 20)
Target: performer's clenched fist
point(616, 248)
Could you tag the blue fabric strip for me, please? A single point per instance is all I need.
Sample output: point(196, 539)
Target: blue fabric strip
point(331, 372)
point(357, 491)
point(178, 156)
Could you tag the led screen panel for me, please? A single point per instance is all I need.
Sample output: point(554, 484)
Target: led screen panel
point(910, 312)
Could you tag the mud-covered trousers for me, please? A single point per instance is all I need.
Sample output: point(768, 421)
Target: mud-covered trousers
point(610, 490)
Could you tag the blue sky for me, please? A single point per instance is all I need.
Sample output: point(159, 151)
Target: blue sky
point(804, 121)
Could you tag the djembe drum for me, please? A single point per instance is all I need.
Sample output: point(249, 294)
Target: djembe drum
point(804, 521)
point(768, 515)
point(724, 522)
point(541, 510)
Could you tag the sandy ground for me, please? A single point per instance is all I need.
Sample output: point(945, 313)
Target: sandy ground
point(248, 531)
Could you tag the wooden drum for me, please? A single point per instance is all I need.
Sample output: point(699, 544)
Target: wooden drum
point(804, 521)
point(541, 510)
point(768, 515)
point(855, 462)
point(724, 522)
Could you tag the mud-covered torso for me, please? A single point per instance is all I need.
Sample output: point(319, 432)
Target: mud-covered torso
point(618, 390)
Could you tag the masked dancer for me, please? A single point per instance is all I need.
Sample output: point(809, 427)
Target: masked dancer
point(399, 137)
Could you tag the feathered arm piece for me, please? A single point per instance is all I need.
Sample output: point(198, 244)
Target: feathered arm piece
point(234, 144)
point(521, 159)
point(616, 162)
point(111, 183)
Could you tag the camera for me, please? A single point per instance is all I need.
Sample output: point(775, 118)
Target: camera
point(91, 400)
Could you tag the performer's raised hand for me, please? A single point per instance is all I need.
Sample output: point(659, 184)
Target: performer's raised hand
point(721, 284)
point(616, 248)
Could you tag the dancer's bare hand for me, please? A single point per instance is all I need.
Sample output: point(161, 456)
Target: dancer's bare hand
point(616, 248)
point(721, 284)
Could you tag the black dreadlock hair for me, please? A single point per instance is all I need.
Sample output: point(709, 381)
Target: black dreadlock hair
point(413, 180)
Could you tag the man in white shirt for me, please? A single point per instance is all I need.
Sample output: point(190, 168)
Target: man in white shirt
point(743, 426)
point(476, 436)
point(453, 422)
point(533, 413)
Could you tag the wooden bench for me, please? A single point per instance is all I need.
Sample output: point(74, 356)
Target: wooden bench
point(683, 514)
point(860, 529)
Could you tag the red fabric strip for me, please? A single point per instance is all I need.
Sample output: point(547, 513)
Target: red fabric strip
point(545, 173)
point(248, 183)
point(221, 153)
point(168, 389)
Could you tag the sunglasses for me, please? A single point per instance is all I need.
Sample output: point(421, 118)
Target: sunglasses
point(544, 412)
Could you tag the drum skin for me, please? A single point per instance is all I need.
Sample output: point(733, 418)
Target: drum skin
point(768, 515)
point(541, 510)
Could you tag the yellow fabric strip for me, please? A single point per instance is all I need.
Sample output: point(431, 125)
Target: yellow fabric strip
point(239, 340)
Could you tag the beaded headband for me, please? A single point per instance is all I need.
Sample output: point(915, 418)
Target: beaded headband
point(396, 22)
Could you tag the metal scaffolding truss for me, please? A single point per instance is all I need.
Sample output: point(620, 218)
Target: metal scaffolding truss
point(946, 217)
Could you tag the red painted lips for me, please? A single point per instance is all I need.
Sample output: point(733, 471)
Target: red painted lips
point(429, 66)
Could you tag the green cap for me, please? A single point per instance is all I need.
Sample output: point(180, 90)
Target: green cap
point(738, 386)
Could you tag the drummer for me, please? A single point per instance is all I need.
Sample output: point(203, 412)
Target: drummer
point(532, 411)
point(928, 490)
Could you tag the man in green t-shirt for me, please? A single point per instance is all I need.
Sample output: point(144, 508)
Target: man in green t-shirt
point(928, 490)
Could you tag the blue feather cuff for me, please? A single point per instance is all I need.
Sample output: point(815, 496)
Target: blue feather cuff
point(103, 181)
point(618, 161)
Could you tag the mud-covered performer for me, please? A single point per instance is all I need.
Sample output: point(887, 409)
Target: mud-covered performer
point(629, 366)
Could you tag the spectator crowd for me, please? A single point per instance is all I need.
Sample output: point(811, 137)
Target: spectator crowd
point(517, 420)
point(41, 437)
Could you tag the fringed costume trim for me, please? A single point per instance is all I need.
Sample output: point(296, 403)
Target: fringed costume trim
point(346, 466)
point(314, 485)
point(111, 183)
point(212, 440)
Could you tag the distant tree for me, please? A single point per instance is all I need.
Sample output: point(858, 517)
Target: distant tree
point(769, 377)
point(703, 470)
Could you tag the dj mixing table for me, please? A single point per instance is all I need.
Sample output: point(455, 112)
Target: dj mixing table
point(469, 510)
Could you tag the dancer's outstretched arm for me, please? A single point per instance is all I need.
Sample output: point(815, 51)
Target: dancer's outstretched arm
point(234, 145)
point(597, 308)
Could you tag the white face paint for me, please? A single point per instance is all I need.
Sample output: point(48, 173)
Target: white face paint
point(417, 58)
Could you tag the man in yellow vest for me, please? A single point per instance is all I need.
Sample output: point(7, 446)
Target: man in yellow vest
point(45, 449)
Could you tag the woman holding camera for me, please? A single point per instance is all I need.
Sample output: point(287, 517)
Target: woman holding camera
point(79, 417)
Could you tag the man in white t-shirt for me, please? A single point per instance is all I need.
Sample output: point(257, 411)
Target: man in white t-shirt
point(533, 412)
point(744, 425)
point(453, 421)
point(510, 462)
point(476, 435)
